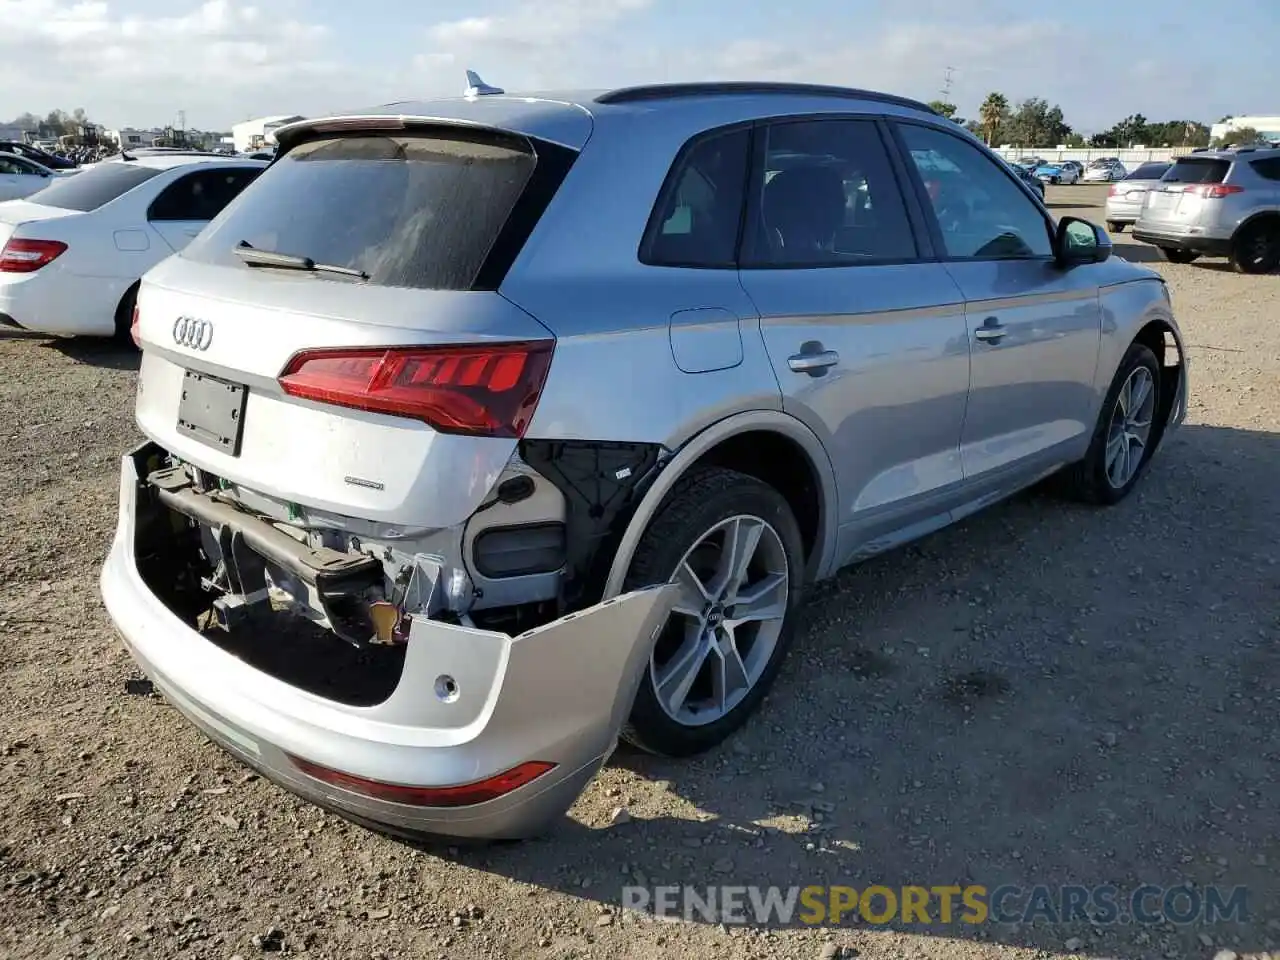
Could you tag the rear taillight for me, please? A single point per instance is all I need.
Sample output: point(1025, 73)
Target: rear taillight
point(133, 329)
point(482, 390)
point(1212, 191)
point(1113, 190)
point(28, 256)
point(463, 795)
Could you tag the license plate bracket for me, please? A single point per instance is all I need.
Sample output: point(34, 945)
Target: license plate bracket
point(211, 410)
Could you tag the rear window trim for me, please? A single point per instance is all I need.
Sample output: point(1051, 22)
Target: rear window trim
point(551, 165)
point(1196, 161)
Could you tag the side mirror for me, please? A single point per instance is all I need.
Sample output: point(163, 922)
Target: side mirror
point(1079, 241)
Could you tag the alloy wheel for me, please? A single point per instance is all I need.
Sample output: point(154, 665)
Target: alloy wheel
point(735, 585)
point(1130, 429)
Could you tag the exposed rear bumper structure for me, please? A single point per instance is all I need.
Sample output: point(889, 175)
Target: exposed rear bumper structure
point(469, 704)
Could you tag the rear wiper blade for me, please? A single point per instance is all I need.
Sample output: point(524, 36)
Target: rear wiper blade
point(253, 257)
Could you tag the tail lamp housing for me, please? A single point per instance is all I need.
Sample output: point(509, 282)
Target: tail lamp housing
point(1213, 191)
point(486, 390)
point(28, 256)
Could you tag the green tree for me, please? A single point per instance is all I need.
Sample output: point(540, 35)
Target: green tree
point(948, 110)
point(1239, 137)
point(1037, 124)
point(993, 115)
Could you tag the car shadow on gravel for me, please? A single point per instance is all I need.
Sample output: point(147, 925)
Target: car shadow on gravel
point(1046, 694)
point(98, 352)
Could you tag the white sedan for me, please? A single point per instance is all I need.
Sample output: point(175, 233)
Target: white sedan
point(20, 177)
point(1105, 172)
point(72, 254)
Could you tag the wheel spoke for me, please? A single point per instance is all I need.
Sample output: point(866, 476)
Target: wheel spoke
point(1115, 452)
point(693, 598)
point(763, 600)
point(1123, 400)
point(730, 675)
point(678, 675)
point(740, 542)
point(1140, 390)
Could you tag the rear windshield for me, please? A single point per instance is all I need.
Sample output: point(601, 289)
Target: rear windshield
point(1149, 171)
point(408, 211)
point(95, 187)
point(1198, 170)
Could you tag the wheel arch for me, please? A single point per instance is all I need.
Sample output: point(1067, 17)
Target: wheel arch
point(1164, 340)
point(1263, 216)
point(735, 442)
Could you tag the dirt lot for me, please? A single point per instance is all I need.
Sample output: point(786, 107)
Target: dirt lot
point(1123, 729)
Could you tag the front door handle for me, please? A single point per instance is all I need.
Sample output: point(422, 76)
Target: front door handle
point(990, 331)
point(813, 362)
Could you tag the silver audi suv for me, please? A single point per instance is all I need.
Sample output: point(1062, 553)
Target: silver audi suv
point(484, 431)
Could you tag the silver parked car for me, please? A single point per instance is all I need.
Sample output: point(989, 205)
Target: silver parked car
point(1217, 203)
point(1126, 198)
point(1105, 170)
point(482, 432)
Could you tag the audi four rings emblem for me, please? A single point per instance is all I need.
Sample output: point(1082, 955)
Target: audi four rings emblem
point(193, 333)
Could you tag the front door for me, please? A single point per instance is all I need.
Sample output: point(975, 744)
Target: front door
point(1034, 327)
point(866, 338)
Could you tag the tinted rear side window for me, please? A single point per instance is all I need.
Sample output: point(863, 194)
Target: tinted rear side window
point(697, 220)
point(200, 196)
point(409, 211)
point(1269, 168)
point(93, 188)
point(1198, 170)
point(1149, 171)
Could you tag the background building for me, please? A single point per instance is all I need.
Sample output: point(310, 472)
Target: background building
point(252, 134)
point(1268, 127)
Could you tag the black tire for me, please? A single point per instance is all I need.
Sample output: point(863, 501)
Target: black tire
point(697, 503)
point(1256, 247)
point(1174, 255)
point(1086, 481)
point(124, 318)
point(1115, 226)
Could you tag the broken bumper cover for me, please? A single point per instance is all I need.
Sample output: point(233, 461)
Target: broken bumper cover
point(470, 704)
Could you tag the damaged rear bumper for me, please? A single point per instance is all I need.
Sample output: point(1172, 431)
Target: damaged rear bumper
point(470, 704)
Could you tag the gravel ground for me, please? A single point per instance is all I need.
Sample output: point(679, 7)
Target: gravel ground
point(1045, 694)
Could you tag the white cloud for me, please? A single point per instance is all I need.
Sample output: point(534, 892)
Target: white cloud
point(223, 60)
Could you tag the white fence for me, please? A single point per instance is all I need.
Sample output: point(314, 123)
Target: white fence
point(1130, 158)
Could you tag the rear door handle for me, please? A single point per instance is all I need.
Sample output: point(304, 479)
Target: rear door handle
point(810, 362)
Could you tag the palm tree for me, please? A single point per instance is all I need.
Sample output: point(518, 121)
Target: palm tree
point(993, 111)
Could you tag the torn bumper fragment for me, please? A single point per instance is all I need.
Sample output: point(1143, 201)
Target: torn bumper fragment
point(484, 735)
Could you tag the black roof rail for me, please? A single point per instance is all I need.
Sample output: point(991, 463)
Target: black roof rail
point(671, 91)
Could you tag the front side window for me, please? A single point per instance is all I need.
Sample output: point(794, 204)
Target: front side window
point(827, 196)
point(981, 211)
point(698, 218)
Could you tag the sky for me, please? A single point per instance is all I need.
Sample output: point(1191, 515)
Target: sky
point(139, 62)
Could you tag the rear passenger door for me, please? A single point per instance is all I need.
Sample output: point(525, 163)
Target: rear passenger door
point(1034, 328)
point(865, 334)
point(182, 209)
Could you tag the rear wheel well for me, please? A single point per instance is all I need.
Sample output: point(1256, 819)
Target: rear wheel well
point(124, 311)
point(1270, 218)
point(781, 463)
